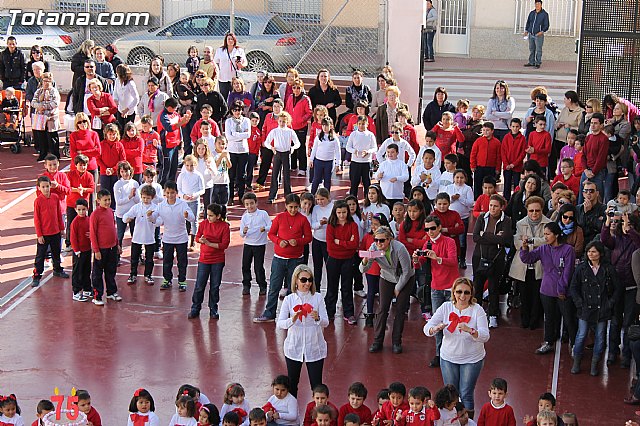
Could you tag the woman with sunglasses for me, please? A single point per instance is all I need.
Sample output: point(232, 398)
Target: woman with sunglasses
point(516, 209)
point(572, 232)
point(304, 315)
point(396, 282)
point(464, 325)
point(557, 260)
point(210, 96)
point(265, 96)
point(36, 55)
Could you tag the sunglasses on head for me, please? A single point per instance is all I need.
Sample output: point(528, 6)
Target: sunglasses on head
point(564, 216)
point(379, 240)
point(430, 228)
point(465, 292)
point(305, 279)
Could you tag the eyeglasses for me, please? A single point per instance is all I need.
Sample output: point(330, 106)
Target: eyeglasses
point(588, 190)
point(395, 133)
point(379, 240)
point(206, 84)
point(465, 292)
point(83, 122)
point(590, 106)
point(305, 279)
point(236, 109)
point(564, 216)
point(534, 210)
point(89, 66)
point(562, 202)
point(430, 228)
point(297, 88)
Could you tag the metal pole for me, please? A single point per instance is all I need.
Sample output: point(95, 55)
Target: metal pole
point(87, 29)
point(232, 17)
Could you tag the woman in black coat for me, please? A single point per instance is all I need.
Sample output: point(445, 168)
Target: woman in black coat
point(594, 293)
point(324, 92)
point(433, 112)
point(212, 98)
point(516, 209)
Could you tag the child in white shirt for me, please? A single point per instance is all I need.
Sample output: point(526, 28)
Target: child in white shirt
point(126, 194)
point(148, 179)
point(319, 219)
point(375, 202)
point(282, 141)
point(450, 165)
point(397, 212)
point(143, 234)
point(403, 147)
point(285, 405)
point(362, 145)
point(205, 167)
point(10, 405)
point(427, 175)
point(185, 410)
point(254, 227)
point(392, 174)
point(190, 187)
point(220, 178)
point(430, 143)
point(462, 202)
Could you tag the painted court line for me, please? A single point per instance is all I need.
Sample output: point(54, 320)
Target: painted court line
point(24, 296)
point(16, 290)
point(23, 196)
point(159, 277)
point(556, 364)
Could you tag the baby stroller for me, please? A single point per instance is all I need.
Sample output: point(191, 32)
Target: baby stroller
point(13, 132)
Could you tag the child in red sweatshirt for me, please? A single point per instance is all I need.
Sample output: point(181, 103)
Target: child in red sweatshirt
point(112, 153)
point(320, 397)
point(47, 219)
point(255, 142)
point(422, 410)
point(81, 246)
point(395, 407)
point(512, 152)
point(481, 205)
point(497, 412)
point(151, 142)
point(104, 243)
point(84, 405)
point(214, 236)
point(81, 186)
point(539, 143)
point(451, 222)
point(357, 395)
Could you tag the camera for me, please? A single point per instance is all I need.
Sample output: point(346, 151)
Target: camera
point(238, 58)
point(614, 213)
point(421, 252)
point(529, 240)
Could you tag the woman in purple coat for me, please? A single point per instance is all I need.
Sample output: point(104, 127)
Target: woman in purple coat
point(558, 261)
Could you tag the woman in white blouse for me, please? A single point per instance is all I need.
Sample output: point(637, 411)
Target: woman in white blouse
point(466, 330)
point(237, 129)
point(230, 58)
point(126, 95)
point(500, 109)
point(304, 315)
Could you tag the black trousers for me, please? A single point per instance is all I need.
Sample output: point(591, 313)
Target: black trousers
point(51, 243)
point(47, 143)
point(382, 312)
point(531, 310)
point(339, 275)
point(281, 163)
point(266, 156)
point(255, 254)
point(81, 272)
point(358, 283)
point(122, 121)
point(320, 255)
point(359, 172)
point(107, 266)
point(294, 368)
point(299, 156)
point(136, 252)
point(493, 275)
point(71, 214)
point(237, 174)
point(554, 157)
point(478, 176)
point(167, 261)
point(554, 309)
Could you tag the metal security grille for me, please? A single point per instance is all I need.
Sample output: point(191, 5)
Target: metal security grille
point(608, 58)
point(453, 17)
point(562, 16)
point(310, 10)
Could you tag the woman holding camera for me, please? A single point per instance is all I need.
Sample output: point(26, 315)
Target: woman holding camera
point(558, 262)
point(230, 59)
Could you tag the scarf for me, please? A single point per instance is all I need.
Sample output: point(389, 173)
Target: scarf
point(566, 229)
point(152, 97)
point(533, 224)
point(238, 123)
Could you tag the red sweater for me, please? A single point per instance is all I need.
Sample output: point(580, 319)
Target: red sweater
point(541, 143)
point(47, 216)
point(453, 222)
point(594, 152)
point(94, 417)
point(316, 128)
point(75, 181)
point(409, 134)
point(573, 183)
point(149, 150)
point(62, 190)
point(443, 275)
point(106, 100)
point(446, 139)
point(482, 205)
point(215, 232)
point(112, 154)
point(578, 164)
point(363, 412)
point(486, 153)
point(270, 123)
point(197, 134)
point(301, 112)
point(512, 151)
point(102, 229)
point(79, 234)
point(348, 237)
point(418, 234)
point(366, 242)
point(133, 149)
point(426, 417)
point(88, 143)
point(371, 126)
point(255, 140)
point(287, 227)
point(491, 416)
point(389, 412)
point(308, 420)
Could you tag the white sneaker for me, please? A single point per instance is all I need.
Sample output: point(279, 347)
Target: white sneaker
point(360, 293)
point(157, 255)
point(493, 322)
point(283, 293)
point(88, 294)
point(98, 302)
point(115, 296)
point(302, 173)
point(67, 249)
point(80, 297)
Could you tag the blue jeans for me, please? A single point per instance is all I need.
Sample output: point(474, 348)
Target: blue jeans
point(438, 297)
point(169, 165)
point(597, 179)
point(463, 377)
point(535, 49)
point(583, 330)
point(194, 206)
point(281, 272)
point(213, 273)
point(220, 194)
point(322, 173)
point(610, 186)
point(428, 45)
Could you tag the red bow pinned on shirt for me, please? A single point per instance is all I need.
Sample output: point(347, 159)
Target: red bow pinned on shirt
point(268, 407)
point(240, 412)
point(139, 419)
point(455, 320)
point(247, 102)
point(303, 309)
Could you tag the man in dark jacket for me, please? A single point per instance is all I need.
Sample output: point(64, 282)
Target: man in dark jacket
point(12, 66)
point(112, 56)
point(591, 213)
point(81, 90)
point(537, 25)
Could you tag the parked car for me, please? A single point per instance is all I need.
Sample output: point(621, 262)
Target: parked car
point(57, 44)
point(268, 41)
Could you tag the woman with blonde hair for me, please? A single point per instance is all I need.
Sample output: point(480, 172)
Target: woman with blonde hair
point(101, 106)
point(386, 115)
point(45, 104)
point(85, 51)
point(464, 324)
point(592, 106)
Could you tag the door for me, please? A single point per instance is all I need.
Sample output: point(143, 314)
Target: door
point(453, 32)
point(176, 38)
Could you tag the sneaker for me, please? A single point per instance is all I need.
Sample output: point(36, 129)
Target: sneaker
point(193, 314)
point(360, 293)
point(98, 302)
point(88, 294)
point(283, 293)
point(529, 65)
point(60, 274)
point(462, 263)
point(149, 281)
point(166, 285)
point(182, 286)
point(214, 316)
point(351, 320)
point(263, 318)
point(115, 297)
point(131, 279)
point(157, 255)
point(246, 291)
point(79, 297)
point(35, 282)
point(544, 349)
point(302, 173)
point(67, 250)
point(493, 322)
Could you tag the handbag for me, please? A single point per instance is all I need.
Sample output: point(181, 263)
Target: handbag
point(96, 123)
point(39, 122)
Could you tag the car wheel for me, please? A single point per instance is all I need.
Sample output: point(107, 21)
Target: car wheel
point(140, 56)
point(51, 54)
point(259, 61)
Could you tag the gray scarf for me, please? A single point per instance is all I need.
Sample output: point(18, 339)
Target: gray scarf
point(533, 224)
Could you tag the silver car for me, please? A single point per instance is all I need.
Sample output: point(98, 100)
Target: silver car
point(268, 41)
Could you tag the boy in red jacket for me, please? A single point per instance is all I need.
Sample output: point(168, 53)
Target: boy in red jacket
point(290, 232)
point(49, 225)
point(112, 153)
point(567, 176)
point(357, 395)
point(81, 246)
point(84, 405)
point(481, 205)
point(169, 124)
point(393, 408)
point(104, 243)
point(485, 157)
point(422, 410)
point(151, 143)
point(255, 142)
point(81, 186)
point(320, 397)
point(539, 144)
point(205, 112)
point(497, 412)
point(513, 152)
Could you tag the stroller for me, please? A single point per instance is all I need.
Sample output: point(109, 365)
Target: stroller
point(10, 133)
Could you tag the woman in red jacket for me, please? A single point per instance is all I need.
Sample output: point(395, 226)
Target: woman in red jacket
point(299, 106)
point(101, 106)
point(214, 236)
point(133, 148)
point(343, 239)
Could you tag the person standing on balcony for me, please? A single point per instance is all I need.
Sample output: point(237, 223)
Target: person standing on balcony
point(430, 31)
point(537, 25)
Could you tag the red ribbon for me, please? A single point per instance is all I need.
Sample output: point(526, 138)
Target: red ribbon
point(137, 392)
point(240, 412)
point(303, 309)
point(455, 320)
point(268, 407)
point(139, 419)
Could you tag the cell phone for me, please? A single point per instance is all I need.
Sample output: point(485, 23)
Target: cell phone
point(529, 240)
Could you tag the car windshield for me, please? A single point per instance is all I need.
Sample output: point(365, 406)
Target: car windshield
point(4, 24)
point(277, 26)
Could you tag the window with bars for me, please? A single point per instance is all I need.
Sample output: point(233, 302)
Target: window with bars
point(562, 16)
point(298, 10)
